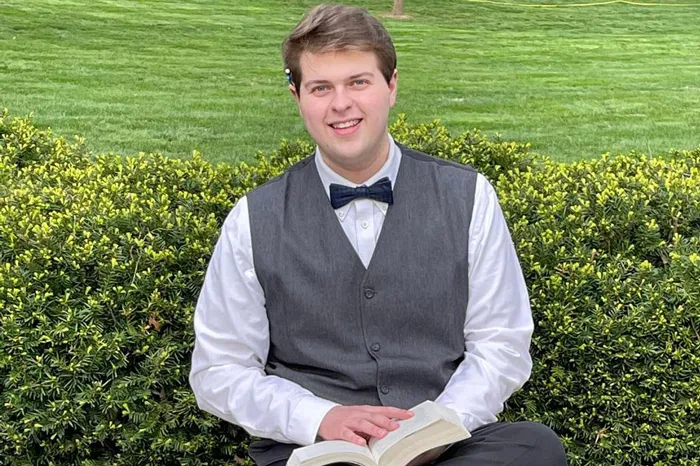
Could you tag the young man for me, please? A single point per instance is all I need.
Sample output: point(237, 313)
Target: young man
point(365, 280)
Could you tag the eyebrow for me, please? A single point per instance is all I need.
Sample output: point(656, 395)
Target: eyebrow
point(324, 81)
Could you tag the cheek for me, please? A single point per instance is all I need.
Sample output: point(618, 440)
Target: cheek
point(313, 112)
point(375, 105)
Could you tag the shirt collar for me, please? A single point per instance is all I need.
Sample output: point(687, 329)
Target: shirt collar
point(390, 169)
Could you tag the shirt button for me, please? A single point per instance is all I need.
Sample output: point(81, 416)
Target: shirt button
point(375, 347)
point(365, 225)
point(341, 214)
point(369, 293)
point(384, 389)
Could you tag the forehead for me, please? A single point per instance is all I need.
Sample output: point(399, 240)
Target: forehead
point(337, 65)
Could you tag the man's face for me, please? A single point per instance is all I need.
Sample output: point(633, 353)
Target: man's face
point(345, 102)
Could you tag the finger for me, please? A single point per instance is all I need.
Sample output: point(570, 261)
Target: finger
point(389, 411)
point(384, 422)
point(351, 436)
point(367, 427)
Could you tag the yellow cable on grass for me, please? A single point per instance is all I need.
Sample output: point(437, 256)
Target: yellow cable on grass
point(576, 5)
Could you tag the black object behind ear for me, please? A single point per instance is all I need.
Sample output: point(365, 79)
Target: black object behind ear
point(290, 78)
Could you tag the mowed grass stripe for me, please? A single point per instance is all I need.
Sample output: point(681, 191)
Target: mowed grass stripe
point(176, 76)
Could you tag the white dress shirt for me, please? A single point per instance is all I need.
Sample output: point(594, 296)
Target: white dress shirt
point(232, 334)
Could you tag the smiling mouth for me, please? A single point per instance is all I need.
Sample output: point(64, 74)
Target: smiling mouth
point(346, 124)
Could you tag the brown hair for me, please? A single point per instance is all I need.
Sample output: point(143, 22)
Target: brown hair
point(328, 28)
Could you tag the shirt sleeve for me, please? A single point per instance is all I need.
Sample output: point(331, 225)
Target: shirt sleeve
point(232, 341)
point(498, 325)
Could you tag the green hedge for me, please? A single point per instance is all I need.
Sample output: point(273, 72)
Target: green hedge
point(102, 259)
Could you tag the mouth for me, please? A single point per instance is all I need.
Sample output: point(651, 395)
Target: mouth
point(346, 127)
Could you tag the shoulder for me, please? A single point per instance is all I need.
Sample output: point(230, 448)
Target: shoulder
point(437, 166)
point(430, 160)
point(455, 175)
point(277, 185)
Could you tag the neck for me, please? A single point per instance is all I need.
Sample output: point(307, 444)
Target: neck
point(364, 169)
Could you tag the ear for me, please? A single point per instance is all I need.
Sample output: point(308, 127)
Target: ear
point(393, 86)
point(293, 90)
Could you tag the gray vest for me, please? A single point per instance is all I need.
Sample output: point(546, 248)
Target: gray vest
point(390, 334)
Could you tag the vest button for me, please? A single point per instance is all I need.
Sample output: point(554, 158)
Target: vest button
point(369, 293)
point(375, 347)
point(384, 389)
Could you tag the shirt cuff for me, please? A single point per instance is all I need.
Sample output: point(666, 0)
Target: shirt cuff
point(469, 422)
point(306, 419)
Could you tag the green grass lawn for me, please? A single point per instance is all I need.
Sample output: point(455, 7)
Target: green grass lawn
point(174, 76)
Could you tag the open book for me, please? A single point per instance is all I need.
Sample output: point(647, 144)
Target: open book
point(431, 426)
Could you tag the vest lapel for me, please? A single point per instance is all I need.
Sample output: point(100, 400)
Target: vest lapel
point(336, 235)
point(330, 216)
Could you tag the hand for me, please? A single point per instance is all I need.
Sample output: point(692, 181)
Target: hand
point(357, 424)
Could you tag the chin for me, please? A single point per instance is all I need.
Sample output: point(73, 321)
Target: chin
point(350, 157)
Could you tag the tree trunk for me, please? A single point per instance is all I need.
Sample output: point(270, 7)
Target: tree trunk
point(398, 8)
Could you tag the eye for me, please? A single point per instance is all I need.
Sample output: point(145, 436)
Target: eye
point(319, 89)
point(360, 82)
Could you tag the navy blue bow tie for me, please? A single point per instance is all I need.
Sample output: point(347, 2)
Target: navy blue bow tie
point(379, 191)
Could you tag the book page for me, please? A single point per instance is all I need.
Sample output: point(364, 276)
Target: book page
point(431, 426)
point(423, 415)
point(339, 450)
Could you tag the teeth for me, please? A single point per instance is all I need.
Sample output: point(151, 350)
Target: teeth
point(347, 124)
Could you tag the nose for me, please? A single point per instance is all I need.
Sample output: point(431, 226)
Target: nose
point(341, 101)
